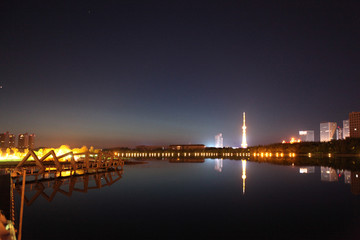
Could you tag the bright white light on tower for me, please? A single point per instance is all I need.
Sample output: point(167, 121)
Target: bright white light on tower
point(244, 143)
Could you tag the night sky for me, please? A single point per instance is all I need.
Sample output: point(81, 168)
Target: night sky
point(127, 73)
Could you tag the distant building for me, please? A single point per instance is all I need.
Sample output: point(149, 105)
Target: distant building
point(12, 139)
point(187, 147)
point(23, 140)
point(354, 124)
point(148, 148)
point(346, 129)
point(4, 140)
point(31, 141)
point(26, 141)
point(219, 141)
point(338, 133)
point(307, 136)
point(327, 131)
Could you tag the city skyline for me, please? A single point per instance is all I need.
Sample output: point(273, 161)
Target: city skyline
point(179, 72)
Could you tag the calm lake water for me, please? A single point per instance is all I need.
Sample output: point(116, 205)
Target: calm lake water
point(209, 200)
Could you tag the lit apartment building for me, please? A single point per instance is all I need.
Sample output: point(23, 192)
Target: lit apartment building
point(354, 124)
point(339, 133)
point(327, 131)
point(4, 140)
point(26, 140)
point(219, 141)
point(346, 129)
point(12, 139)
point(307, 136)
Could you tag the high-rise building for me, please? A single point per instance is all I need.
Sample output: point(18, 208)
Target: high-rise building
point(307, 136)
point(346, 129)
point(23, 140)
point(12, 140)
point(354, 124)
point(4, 140)
point(219, 141)
point(31, 141)
point(338, 133)
point(327, 131)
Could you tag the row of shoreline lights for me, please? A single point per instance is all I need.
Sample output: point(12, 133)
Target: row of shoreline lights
point(262, 154)
point(266, 154)
point(185, 154)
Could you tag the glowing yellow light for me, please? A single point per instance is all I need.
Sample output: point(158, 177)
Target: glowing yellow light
point(14, 154)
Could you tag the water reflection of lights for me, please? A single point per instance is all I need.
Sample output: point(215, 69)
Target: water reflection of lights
point(304, 170)
point(218, 164)
point(243, 175)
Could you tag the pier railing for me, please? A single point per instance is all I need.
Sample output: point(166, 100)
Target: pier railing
point(75, 163)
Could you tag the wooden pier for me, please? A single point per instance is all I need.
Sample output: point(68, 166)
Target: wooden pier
point(66, 169)
point(69, 164)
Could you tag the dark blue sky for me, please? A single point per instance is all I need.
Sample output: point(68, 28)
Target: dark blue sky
point(125, 73)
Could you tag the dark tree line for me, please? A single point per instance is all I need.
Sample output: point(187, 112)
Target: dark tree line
point(347, 146)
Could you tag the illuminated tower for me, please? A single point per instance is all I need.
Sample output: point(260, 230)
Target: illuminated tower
point(243, 174)
point(244, 144)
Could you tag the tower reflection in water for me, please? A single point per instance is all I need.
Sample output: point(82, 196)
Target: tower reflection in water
point(327, 174)
point(243, 163)
point(219, 165)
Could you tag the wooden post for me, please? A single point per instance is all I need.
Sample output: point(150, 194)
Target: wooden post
point(22, 203)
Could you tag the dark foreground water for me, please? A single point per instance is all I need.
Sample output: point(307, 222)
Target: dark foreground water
point(162, 200)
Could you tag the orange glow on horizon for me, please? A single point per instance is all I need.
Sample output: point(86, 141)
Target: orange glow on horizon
point(14, 154)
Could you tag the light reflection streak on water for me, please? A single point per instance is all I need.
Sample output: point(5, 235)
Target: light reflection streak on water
point(243, 163)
